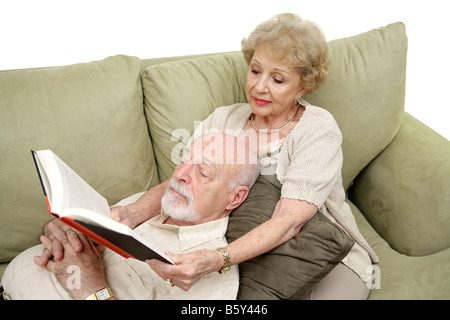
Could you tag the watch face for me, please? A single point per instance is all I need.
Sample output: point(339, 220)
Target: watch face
point(103, 294)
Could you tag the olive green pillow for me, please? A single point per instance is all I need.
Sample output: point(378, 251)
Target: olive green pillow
point(291, 270)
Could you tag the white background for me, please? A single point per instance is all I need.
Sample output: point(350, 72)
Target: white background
point(40, 33)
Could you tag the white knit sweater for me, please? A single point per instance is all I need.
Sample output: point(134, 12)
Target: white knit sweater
point(309, 168)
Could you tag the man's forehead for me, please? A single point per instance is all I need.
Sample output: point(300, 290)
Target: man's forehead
point(219, 149)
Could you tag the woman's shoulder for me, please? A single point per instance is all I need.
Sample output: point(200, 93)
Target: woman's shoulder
point(230, 117)
point(317, 119)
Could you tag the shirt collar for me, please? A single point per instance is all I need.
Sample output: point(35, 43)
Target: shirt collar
point(193, 236)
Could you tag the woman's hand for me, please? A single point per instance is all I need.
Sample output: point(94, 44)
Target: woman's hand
point(189, 268)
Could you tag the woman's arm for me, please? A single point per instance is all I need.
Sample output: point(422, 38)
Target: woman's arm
point(288, 218)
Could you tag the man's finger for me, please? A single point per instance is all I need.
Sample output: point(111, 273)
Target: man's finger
point(57, 249)
point(54, 247)
point(44, 259)
point(58, 233)
point(74, 239)
point(46, 242)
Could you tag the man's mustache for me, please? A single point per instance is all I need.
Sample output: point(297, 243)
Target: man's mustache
point(181, 189)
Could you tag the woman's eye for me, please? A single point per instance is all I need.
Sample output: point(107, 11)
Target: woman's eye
point(277, 81)
point(255, 71)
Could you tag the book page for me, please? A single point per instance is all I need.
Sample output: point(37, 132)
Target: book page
point(68, 189)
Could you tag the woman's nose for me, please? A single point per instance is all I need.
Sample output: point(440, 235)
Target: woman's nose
point(261, 85)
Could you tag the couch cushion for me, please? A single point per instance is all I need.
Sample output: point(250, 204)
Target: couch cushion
point(404, 191)
point(365, 92)
point(91, 116)
point(180, 94)
point(398, 276)
point(292, 269)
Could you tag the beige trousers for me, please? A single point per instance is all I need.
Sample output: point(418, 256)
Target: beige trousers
point(340, 284)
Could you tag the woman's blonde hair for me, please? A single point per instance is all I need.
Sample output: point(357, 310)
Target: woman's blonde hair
point(300, 41)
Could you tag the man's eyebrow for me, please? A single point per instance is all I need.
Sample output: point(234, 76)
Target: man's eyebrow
point(207, 160)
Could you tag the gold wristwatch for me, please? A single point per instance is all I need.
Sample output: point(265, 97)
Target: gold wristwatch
point(103, 294)
point(226, 258)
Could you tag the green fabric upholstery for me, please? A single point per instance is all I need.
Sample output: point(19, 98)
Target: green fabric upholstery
point(291, 270)
point(91, 116)
point(180, 94)
point(365, 92)
point(398, 276)
point(414, 216)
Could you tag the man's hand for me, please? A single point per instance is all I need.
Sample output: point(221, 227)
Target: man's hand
point(189, 268)
point(53, 231)
point(89, 263)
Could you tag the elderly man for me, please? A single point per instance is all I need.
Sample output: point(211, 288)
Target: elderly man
point(205, 187)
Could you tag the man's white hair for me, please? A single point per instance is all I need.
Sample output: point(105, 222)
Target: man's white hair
point(235, 151)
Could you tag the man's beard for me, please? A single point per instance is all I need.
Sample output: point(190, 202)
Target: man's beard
point(177, 208)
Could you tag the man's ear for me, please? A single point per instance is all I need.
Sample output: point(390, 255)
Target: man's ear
point(238, 195)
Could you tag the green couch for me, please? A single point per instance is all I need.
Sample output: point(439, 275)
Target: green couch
point(119, 121)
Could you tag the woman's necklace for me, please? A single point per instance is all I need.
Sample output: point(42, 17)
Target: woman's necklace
point(272, 130)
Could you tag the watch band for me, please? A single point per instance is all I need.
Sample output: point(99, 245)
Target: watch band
point(226, 258)
point(103, 294)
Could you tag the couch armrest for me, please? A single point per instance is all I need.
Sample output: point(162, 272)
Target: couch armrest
point(404, 192)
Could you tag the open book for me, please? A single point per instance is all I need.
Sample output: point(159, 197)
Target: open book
point(73, 201)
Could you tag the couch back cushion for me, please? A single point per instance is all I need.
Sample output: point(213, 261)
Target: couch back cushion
point(180, 94)
point(91, 115)
point(364, 91)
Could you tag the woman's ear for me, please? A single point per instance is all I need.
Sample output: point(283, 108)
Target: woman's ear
point(238, 195)
point(301, 93)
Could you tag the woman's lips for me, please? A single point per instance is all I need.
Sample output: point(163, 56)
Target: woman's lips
point(260, 102)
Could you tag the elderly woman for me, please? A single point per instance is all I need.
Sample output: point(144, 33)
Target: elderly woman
point(297, 142)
